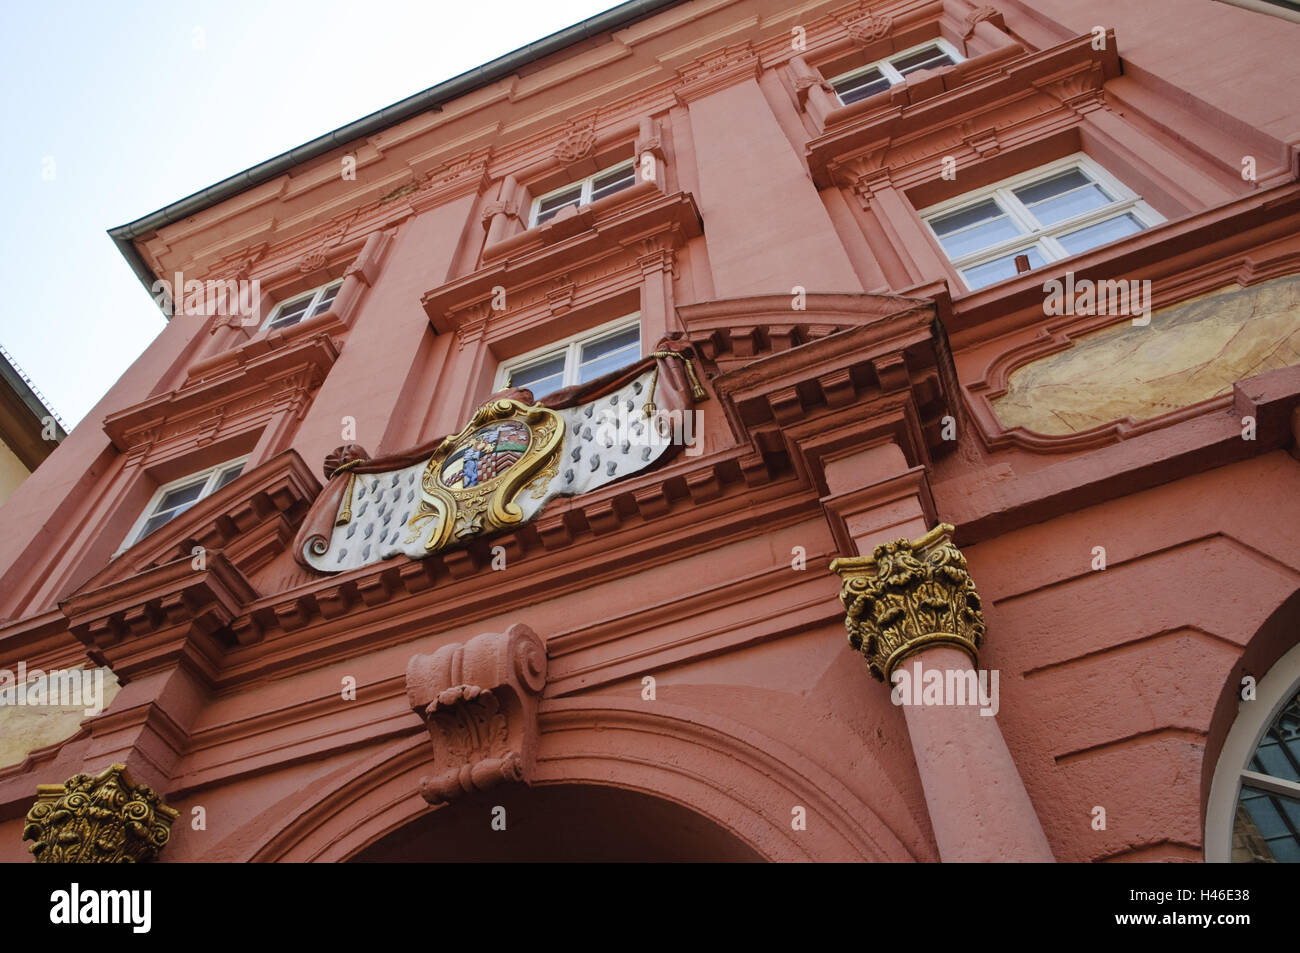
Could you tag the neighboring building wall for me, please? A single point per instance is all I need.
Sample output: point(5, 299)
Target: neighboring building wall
point(12, 472)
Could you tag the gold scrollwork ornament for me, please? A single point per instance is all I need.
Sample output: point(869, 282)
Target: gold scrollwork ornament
point(471, 481)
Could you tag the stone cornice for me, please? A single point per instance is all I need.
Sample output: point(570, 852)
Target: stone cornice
point(250, 520)
point(297, 366)
point(895, 365)
point(732, 332)
point(40, 641)
point(936, 99)
point(996, 500)
point(717, 70)
point(659, 516)
point(163, 616)
point(595, 231)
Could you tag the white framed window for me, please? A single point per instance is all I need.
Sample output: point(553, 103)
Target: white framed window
point(1052, 212)
point(584, 192)
point(1253, 814)
point(304, 306)
point(576, 360)
point(172, 499)
point(858, 84)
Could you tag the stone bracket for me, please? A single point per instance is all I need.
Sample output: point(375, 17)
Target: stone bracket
point(478, 700)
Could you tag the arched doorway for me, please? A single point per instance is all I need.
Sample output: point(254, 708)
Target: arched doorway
point(559, 822)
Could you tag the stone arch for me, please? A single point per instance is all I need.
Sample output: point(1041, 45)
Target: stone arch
point(1272, 657)
point(729, 774)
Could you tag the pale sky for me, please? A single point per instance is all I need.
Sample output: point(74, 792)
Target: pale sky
point(113, 110)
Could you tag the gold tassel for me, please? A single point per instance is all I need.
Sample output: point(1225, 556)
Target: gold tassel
point(649, 407)
point(345, 515)
point(697, 389)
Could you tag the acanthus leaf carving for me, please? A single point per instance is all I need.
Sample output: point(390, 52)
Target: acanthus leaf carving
point(578, 142)
point(478, 700)
point(101, 819)
point(978, 15)
point(909, 595)
point(866, 30)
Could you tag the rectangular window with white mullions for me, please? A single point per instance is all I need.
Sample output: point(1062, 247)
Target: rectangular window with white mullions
point(174, 498)
point(591, 189)
point(866, 81)
point(1053, 212)
point(577, 360)
point(304, 306)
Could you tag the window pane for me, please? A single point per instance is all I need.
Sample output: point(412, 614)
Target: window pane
point(1100, 234)
point(970, 229)
point(613, 342)
point(609, 354)
point(227, 476)
point(548, 207)
point(1001, 268)
point(1269, 825)
point(1278, 753)
point(929, 58)
point(1069, 205)
point(162, 519)
point(180, 496)
point(542, 377)
point(611, 182)
point(861, 86)
point(1051, 186)
point(291, 313)
point(326, 300)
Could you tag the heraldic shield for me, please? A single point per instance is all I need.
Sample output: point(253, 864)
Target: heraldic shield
point(470, 483)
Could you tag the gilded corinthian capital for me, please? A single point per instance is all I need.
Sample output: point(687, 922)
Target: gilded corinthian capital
point(102, 819)
point(908, 595)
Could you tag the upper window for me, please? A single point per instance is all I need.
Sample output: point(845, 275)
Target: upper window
point(579, 359)
point(879, 76)
point(304, 306)
point(1053, 212)
point(591, 189)
point(173, 499)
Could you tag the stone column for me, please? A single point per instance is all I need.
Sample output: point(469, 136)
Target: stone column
point(914, 613)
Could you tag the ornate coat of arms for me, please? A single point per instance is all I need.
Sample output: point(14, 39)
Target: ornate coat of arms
point(513, 457)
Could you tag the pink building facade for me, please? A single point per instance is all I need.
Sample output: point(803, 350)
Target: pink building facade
point(974, 329)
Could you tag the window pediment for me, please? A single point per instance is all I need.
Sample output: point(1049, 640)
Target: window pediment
point(238, 391)
point(664, 221)
point(867, 131)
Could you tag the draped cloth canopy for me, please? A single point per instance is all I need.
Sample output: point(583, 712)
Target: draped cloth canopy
point(513, 457)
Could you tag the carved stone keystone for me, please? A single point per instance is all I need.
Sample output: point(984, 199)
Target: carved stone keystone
point(907, 596)
point(105, 819)
point(479, 702)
